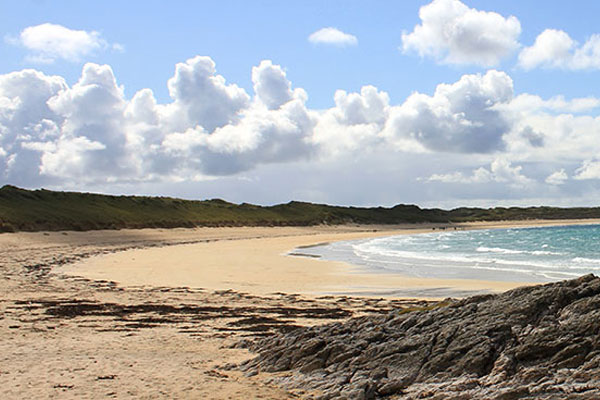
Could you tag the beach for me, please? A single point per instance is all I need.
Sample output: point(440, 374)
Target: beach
point(160, 313)
point(262, 261)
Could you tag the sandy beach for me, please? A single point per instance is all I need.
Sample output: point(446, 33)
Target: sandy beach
point(166, 313)
point(258, 260)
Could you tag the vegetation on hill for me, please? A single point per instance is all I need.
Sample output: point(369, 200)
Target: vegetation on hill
point(35, 210)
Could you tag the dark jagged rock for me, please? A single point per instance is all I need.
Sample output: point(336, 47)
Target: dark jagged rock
point(540, 342)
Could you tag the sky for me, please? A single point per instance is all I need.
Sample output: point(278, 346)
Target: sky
point(441, 103)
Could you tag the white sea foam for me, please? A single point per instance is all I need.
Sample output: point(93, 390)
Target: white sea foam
point(539, 254)
point(546, 253)
point(483, 249)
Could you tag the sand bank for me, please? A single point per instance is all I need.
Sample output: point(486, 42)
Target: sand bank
point(256, 260)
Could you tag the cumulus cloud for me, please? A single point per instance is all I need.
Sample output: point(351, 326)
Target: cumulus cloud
point(552, 47)
point(480, 175)
point(501, 170)
point(535, 139)
point(456, 34)
point(556, 49)
point(589, 170)
point(24, 117)
point(49, 42)
point(367, 107)
point(557, 178)
point(271, 85)
point(459, 117)
point(201, 97)
point(558, 104)
point(90, 132)
point(93, 142)
point(554, 130)
point(354, 123)
point(332, 36)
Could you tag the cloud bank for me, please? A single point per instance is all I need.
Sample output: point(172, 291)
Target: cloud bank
point(90, 132)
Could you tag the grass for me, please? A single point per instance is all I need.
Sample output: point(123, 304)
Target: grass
point(36, 210)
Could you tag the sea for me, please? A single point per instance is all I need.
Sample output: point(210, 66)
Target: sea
point(541, 254)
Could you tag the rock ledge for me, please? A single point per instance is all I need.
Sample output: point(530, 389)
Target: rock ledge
point(540, 342)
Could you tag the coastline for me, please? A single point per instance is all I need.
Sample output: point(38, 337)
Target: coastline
point(262, 261)
point(70, 337)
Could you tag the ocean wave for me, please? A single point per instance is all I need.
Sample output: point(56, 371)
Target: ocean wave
point(483, 249)
point(453, 260)
point(546, 253)
point(443, 259)
point(538, 252)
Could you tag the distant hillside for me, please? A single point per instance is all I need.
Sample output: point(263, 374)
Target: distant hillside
point(26, 210)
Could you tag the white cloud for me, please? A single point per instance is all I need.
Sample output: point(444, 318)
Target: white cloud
point(92, 143)
point(588, 55)
point(456, 34)
point(354, 123)
point(556, 49)
point(501, 170)
point(90, 133)
point(49, 42)
point(529, 102)
point(201, 97)
point(460, 117)
point(212, 127)
point(24, 117)
point(271, 85)
point(480, 175)
point(370, 106)
point(557, 177)
point(71, 157)
point(332, 36)
point(589, 170)
point(555, 131)
point(551, 48)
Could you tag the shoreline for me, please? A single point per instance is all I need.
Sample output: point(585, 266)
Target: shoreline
point(262, 261)
point(69, 337)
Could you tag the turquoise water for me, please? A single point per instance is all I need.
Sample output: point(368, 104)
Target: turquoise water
point(517, 255)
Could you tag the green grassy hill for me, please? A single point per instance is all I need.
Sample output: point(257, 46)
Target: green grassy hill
point(26, 210)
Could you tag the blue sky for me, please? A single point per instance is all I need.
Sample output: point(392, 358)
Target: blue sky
point(239, 34)
point(439, 103)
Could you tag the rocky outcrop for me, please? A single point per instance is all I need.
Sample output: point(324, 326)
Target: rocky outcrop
point(540, 342)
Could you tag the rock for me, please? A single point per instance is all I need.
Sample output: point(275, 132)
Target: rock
point(531, 342)
point(392, 387)
point(512, 394)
